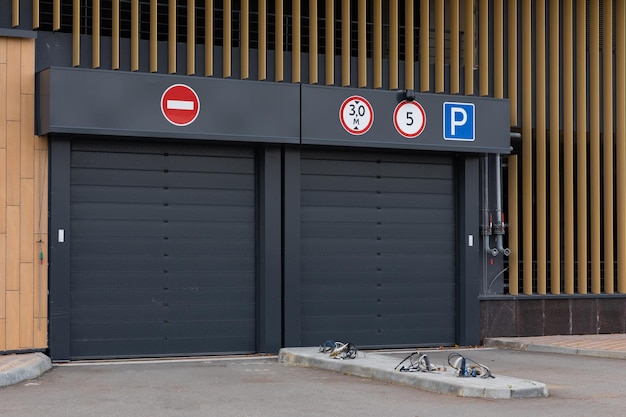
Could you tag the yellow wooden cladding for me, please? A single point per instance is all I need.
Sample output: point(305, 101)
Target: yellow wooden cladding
point(191, 37)
point(279, 61)
point(483, 47)
point(568, 148)
point(581, 145)
point(620, 139)
point(171, 36)
point(527, 143)
point(455, 47)
point(153, 36)
point(23, 203)
point(345, 43)
point(439, 46)
point(296, 63)
point(541, 165)
point(208, 36)
point(115, 35)
point(362, 54)
point(313, 43)
point(378, 44)
point(555, 168)
point(262, 54)
point(409, 45)
point(607, 142)
point(245, 39)
point(330, 47)
point(134, 35)
point(424, 56)
point(393, 45)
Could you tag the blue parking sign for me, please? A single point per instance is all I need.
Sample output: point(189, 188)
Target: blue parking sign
point(458, 121)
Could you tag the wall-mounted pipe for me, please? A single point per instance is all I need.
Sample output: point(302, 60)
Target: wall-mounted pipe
point(500, 224)
point(487, 226)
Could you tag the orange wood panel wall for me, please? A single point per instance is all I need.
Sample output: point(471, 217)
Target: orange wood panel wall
point(23, 203)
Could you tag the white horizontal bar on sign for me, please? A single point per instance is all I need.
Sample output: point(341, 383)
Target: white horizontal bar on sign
point(180, 105)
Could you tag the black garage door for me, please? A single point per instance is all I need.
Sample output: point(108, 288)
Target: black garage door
point(378, 248)
point(162, 249)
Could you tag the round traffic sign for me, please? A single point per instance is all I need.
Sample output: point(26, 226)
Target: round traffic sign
point(356, 115)
point(409, 118)
point(180, 105)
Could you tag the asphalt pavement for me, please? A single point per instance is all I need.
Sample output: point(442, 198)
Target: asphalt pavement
point(582, 379)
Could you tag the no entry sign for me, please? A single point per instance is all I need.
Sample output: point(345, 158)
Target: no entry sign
point(180, 105)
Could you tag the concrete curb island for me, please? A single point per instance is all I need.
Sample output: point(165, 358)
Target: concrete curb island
point(381, 368)
point(22, 366)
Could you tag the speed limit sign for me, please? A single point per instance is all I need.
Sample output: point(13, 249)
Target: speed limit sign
point(356, 115)
point(409, 118)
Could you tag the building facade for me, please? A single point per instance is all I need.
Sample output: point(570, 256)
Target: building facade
point(209, 177)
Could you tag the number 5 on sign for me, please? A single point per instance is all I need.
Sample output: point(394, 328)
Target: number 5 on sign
point(409, 118)
point(356, 115)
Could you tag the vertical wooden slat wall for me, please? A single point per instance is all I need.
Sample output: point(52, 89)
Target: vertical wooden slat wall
point(620, 139)
point(393, 45)
point(115, 34)
point(568, 148)
point(572, 174)
point(245, 39)
point(581, 144)
point(455, 47)
point(171, 37)
point(540, 139)
point(153, 35)
point(278, 44)
point(313, 43)
point(409, 45)
point(208, 38)
point(608, 143)
point(330, 40)
point(439, 46)
point(378, 44)
point(345, 43)
point(23, 203)
point(555, 168)
point(262, 53)
point(424, 55)
point(134, 35)
point(527, 146)
point(191, 37)
point(95, 34)
point(296, 53)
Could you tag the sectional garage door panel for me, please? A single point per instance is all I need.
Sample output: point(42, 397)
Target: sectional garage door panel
point(162, 249)
point(378, 248)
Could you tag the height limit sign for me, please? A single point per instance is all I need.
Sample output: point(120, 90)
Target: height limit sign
point(356, 115)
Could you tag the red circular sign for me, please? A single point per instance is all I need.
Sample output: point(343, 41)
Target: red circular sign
point(409, 118)
point(180, 105)
point(356, 115)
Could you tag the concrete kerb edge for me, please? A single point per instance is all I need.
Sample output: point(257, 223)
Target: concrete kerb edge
point(539, 348)
point(36, 365)
point(382, 369)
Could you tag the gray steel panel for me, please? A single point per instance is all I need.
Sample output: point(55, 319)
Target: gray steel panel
point(162, 271)
point(321, 122)
point(378, 263)
point(102, 102)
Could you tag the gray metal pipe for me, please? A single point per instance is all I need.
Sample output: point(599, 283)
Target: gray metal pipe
point(500, 224)
point(487, 225)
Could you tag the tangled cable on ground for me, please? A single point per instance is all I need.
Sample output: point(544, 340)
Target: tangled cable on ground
point(415, 362)
point(467, 367)
point(339, 350)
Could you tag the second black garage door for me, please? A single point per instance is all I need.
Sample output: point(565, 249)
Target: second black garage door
point(378, 248)
point(162, 249)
